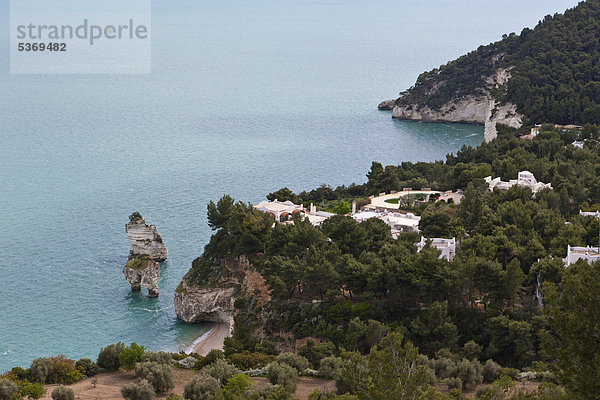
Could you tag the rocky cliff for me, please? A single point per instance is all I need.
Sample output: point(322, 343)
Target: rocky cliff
point(145, 239)
point(142, 270)
point(213, 301)
point(479, 108)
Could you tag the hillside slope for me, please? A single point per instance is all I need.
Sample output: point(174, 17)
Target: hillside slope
point(546, 74)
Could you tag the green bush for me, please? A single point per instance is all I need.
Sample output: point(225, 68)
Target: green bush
point(491, 371)
point(108, 358)
point(161, 357)
point(8, 389)
point(314, 353)
point(158, 375)
point(40, 369)
point(471, 350)
point(202, 387)
point(63, 393)
point(454, 383)
point(299, 363)
point(55, 370)
point(221, 370)
point(282, 374)
point(246, 360)
point(131, 355)
point(266, 347)
point(87, 367)
point(236, 387)
point(213, 356)
point(268, 391)
point(140, 390)
point(32, 390)
point(468, 372)
point(482, 391)
point(20, 373)
point(441, 367)
point(330, 366)
point(513, 373)
point(173, 396)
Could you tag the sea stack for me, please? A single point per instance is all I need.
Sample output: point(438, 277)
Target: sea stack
point(144, 239)
point(142, 270)
point(147, 250)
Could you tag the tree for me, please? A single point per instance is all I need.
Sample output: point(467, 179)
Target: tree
point(63, 393)
point(282, 374)
point(574, 312)
point(8, 389)
point(158, 375)
point(139, 390)
point(131, 355)
point(284, 194)
point(201, 387)
point(219, 213)
point(108, 358)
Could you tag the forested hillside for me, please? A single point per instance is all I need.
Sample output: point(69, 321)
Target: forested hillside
point(554, 68)
point(475, 318)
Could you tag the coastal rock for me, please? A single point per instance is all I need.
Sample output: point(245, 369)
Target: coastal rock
point(194, 304)
point(387, 105)
point(145, 239)
point(142, 270)
point(475, 109)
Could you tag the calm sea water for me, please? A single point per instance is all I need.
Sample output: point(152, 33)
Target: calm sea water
point(245, 97)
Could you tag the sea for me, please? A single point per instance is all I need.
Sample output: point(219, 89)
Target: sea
point(245, 97)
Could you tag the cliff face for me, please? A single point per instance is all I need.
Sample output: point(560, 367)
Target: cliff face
point(145, 240)
point(214, 302)
point(480, 108)
point(142, 270)
point(193, 304)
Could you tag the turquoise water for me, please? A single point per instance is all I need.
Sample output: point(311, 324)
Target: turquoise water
point(245, 97)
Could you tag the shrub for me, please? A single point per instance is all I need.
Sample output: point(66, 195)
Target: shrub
point(282, 374)
point(20, 373)
point(140, 390)
point(246, 360)
point(108, 358)
point(441, 367)
point(482, 391)
point(187, 363)
point(87, 367)
point(173, 396)
point(236, 387)
point(513, 373)
point(299, 363)
point(158, 375)
point(63, 393)
point(314, 353)
point(40, 369)
point(221, 370)
point(471, 350)
point(491, 371)
point(468, 372)
point(8, 389)
point(202, 387)
point(161, 357)
point(213, 356)
point(266, 347)
point(330, 366)
point(454, 383)
point(33, 390)
point(267, 391)
point(131, 355)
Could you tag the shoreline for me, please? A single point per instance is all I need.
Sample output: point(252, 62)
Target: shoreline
point(211, 340)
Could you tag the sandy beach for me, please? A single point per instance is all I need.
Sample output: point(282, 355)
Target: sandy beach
point(212, 340)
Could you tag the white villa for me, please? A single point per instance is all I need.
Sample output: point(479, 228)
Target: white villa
point(589, 254)
point(446, 246)
point(281, 210)
point(399, 222)
point(317, 217)
point(524, 179)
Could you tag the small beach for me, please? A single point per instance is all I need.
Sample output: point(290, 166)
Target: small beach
point(212, 339)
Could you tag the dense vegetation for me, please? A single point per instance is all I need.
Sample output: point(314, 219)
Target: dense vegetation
point(555, 72)
point(351, 285)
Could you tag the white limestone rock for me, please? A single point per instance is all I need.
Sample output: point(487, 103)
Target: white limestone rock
point(142, 271)
point(194, 304)
point(145, 239)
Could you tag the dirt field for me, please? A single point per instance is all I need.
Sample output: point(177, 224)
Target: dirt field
point(108, 386)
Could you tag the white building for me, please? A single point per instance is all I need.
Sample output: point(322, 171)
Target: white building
point(317, 217)
point(446, 246)
point(281, 211)
point(399, 222)
point(579, 144)
point(524, 179)
point(590, 214)
point(589, 254)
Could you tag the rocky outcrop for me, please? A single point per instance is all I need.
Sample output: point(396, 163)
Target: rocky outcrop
point(193, 304)
point(145, 239)
point(387, 105)
point(474, 109)
point(142, 270)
